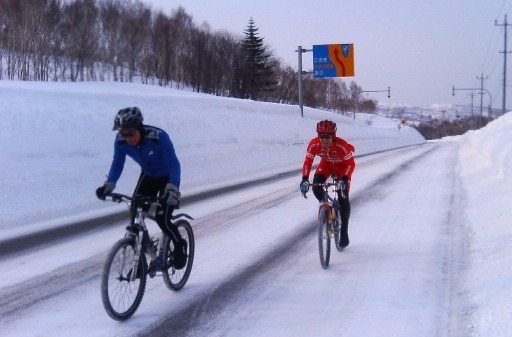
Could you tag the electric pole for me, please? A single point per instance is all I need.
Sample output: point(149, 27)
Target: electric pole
point(300, 73)
point(505, 52)
point(482, 78)
point(472, 97)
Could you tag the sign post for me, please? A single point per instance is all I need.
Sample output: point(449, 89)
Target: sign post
point(300, 51)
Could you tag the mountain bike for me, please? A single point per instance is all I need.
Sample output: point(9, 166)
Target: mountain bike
point(329, 220)
point(125, 271)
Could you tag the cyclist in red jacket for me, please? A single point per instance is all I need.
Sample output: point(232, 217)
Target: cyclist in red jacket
point(337, 158)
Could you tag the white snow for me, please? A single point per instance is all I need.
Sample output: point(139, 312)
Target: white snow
point(56, 147)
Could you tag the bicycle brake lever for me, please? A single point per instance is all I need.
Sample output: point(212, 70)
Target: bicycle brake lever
point(116, 198)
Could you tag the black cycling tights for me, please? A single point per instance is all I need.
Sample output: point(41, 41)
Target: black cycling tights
point(148, 186)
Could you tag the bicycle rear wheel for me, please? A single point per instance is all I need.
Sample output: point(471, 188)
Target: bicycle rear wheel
point(324, 240)
point(120, 294)
point(176, 277)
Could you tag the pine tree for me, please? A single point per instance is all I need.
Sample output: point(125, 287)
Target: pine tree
point(258, 75)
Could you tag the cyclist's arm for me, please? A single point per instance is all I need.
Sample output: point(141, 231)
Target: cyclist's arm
point(169, 156)
point(349, 163)
point(308, 160)
point(116, 168)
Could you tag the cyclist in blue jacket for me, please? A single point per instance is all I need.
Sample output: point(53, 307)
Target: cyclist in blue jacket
point(153, 150)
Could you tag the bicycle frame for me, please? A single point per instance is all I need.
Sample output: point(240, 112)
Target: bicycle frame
point(138, 231)
point(328, 200)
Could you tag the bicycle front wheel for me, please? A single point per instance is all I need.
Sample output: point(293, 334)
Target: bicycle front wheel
point(177, 273)
point(120, 294)
point(324, 240)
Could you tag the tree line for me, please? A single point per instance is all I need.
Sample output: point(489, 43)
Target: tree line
point(437, 129)
point(125, 41)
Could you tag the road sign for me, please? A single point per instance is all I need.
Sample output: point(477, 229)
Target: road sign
point(333, 60)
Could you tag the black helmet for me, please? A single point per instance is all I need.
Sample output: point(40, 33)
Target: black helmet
point(128, 118)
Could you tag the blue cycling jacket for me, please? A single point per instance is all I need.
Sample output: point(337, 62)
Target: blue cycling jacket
point(155, 154)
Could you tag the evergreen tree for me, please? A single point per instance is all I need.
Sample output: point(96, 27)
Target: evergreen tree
point(257, 73)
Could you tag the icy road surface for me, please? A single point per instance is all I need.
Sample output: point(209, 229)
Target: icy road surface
point(257, 271)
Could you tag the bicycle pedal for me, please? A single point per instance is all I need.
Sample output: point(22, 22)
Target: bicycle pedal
point(154, 273)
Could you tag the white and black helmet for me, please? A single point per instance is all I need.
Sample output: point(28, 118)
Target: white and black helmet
point(128, 118)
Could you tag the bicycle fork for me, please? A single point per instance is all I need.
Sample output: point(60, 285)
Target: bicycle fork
point(138, 238)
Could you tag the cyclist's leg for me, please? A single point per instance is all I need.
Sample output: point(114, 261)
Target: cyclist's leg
point(163, 219)
point(322, 172)
point(149, 186)
point(344, 203)
point(146, 186)
point(318, 190)
point(179, 244)
point(345, 216)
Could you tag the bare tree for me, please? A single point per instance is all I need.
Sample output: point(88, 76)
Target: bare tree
point(196, 64)
point(162, 49)
point(226, 56)
point(181, 31)
point(111, 14)
point(80, 33)
point(287, 89)
point(136, 29)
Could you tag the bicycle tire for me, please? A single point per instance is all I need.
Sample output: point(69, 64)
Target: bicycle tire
point(120, 295)
point(324, 241)
point(174, 278)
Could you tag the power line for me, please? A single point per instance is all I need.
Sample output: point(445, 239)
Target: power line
point(508, 8)
point(501, 7)
point(489, 57)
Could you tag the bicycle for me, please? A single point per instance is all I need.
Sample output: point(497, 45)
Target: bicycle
point(329, 220)
point(125, 271)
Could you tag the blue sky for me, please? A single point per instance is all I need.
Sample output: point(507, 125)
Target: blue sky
point(418, 48)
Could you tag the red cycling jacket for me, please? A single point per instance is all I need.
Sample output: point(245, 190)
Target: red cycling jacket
point(338, 159)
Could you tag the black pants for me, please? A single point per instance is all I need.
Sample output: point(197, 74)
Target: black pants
point(149, 186)
point(344, 202)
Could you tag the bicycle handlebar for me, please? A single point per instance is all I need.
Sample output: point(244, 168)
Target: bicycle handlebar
point(143, 199)
point(118, 197)
point(326, 185)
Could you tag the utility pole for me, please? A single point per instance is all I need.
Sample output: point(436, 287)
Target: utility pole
point(481, 96)
point(472, 97)
point(482, 78)
point(505, 52)
point(300, 73)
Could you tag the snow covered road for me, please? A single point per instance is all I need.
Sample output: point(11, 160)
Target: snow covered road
point(392, 280)
point(257, 270)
